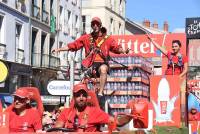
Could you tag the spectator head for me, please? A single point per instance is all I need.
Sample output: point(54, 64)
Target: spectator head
point(96, 20)
point(21, 98)
point(80, 93)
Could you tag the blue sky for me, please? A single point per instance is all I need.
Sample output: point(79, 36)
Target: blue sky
point(173, 11)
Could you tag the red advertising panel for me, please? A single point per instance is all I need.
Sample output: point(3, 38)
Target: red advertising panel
point(141, 45)
point(165, 100)
point(4, 123)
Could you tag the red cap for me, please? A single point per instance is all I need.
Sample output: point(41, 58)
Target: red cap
point(21, 92)
point(79, 87)
point(97, 19)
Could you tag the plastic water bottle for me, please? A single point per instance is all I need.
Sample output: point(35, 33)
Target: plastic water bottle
point(125, 86)
point(136, 73)
point(136, 86)
point(118, 86)
point(118, 100)
point(133, 60)
point(115, 100)
point(122, 100)
point(125, 99)
point(111, 86)
point(116, 73)
point(129, 73)
point(136, 60)
point(115, 86)
point(129, 86)
point(122, 86)
point(125, 60)
point(133, 85)
point(122, 73)
point(129, 60)
point(108, 86)
point(140, 87)
point(139, 60)
point(125, 73)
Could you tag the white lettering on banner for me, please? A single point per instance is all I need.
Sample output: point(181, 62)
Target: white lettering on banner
point(194, 28)
point(59, 87)
point(143, 47)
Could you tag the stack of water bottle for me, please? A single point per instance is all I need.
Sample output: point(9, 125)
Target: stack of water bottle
point(140, 71)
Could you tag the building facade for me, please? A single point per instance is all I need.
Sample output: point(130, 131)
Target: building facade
point(15, 43)
point(29, 30)
point(111, 12)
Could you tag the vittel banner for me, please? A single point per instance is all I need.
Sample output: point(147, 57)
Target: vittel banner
point(192, 28)
point(141, 45)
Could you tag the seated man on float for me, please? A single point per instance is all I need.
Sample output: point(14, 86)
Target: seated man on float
point(22, 117)
point(83, 118)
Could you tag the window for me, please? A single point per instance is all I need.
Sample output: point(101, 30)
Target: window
point(112, 3)
point(84, 23)
point(69, 23)
point(2, 29)
point(121, 8)
point(76, 25)
point(19, 44)
point(61, 17)
point(18, 36)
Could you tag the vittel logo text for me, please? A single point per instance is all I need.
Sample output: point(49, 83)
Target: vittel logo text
point(136, 47)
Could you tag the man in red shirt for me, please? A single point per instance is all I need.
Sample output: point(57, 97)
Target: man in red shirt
point(23, 118)
point(177, 63)
point(83, 118)
point(97, 47)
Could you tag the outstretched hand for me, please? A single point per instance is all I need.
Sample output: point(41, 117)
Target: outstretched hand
point(54, 50)
point(149, 37)
point(127, 51)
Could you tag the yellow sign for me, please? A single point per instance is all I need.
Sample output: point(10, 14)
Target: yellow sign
point(3, 72)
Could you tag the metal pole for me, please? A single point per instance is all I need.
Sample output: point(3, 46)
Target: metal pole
point(71, 76)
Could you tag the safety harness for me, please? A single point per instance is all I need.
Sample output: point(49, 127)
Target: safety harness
point(179, 64)
point(94, 50)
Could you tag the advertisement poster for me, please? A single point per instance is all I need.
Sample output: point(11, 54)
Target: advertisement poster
point(165, 100)
point(4, 126)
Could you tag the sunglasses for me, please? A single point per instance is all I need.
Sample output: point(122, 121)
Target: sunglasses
point(82, 92)
point(16, 98)
point(95, 23)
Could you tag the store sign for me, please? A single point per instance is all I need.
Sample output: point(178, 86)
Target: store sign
point(3, 71)
point(165, 100)
point(59, 87)
point(192, 28)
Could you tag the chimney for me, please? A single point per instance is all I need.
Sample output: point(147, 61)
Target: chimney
point(155, 25)
point(166, 26)
point(146, 23)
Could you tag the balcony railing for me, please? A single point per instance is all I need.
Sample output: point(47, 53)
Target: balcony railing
point(3, 53)
point(45, 17)
point(36, 12)
point(45, 60)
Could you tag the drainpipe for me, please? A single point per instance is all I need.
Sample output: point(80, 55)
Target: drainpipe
point(71, 75)
point(30, 41)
